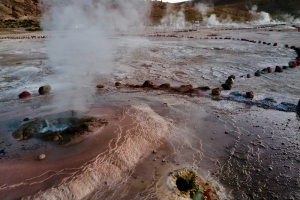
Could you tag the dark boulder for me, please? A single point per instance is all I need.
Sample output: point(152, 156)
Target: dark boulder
point(250, 95)
point(292, 64)
point(285, 67)
point(248, 76)
point(257, 73)
point(44, 89)
point(269, 69)
point(264, 71)
point(226, 86)
point(231, 76)
point(148, 84)
point(165, 86)
point(100, 86)
point(204, 88)
point(278, 69)
point(118, 84)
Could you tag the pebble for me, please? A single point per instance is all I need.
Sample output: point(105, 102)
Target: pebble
point(41, 157)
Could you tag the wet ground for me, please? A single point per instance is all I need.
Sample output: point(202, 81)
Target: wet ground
point(244, 151)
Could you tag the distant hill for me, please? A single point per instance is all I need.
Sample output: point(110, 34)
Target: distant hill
point(274, 7)
point(26, 13)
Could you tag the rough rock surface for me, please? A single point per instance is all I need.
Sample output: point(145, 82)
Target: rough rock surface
point(44, 89)
point(216, 91)
point(77, 127)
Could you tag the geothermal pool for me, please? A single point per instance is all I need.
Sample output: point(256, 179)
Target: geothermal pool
point(237, 149)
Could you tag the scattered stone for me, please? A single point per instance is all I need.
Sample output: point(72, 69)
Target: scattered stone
point(100, 86)
point(26, 119)
point(226, 132)
point(228, 83)
point(117, 84)
point(278, 69)
point(248, 76)
point(292, 64)
point(216, 91)
point(231, 76)
point(264, 71)
point(204, 88)
point(165, 86)
point(154, 151)
point(257, 73)
point(41, 157)
point(44, 89)
point(226, 86)
point(148, 84)
point(269, 69)
point(275, 44)
point(270, 168)
point(285, 67)
point(24, 95)
point(250, 95)
point(184, 89)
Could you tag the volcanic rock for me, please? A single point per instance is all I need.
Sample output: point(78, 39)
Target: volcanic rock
point(264, 71)
point(227, 86)
point(278, 69)
point(184, 89)
point(248, 76)
point(292, 64)
point(26, 131)
point(269, 69)
point(257, 73)
point(275, 44)
point(52, 136)
point(100, 86)
point(165, 86)
point(229, 81)
point(216, 91)
point(117, 84)
point(231, 76)
point(44, 89)
point(285, 67)
point(204, 88)
point(24, 95)
point(148, 84)
point(250, 95)
point(77, 127)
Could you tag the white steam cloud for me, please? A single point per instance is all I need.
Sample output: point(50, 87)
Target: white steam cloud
point(79, 48)
point(261, 17)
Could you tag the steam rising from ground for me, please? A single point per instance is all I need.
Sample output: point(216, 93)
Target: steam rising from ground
point(262, 17)
point(80, 48)
point(173, 19)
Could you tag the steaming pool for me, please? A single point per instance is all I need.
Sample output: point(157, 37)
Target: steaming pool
point(156, 144)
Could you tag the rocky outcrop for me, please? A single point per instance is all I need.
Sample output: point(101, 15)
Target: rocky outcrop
point(76, 127)
point(18, 9)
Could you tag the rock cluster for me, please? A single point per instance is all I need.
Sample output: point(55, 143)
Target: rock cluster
point(229, 82)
